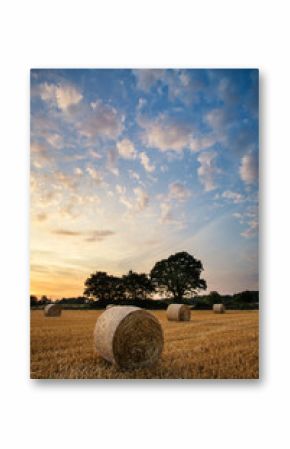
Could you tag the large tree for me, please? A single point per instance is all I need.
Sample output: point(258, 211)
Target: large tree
point(137, 285)
point(179, 276)
point(104, 287)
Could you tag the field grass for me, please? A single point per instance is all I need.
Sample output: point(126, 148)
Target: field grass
point(210, 346)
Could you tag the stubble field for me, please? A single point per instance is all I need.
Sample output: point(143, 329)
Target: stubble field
point(210, 346)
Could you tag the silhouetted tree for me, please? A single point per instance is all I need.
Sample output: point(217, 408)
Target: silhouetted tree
point(214, 298)
point(44, 300)
point(33, 300)
point(104, 287)
point(179, 275)
point(137, 285)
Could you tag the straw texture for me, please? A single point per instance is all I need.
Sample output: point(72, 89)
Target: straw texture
point(178, 312)
point(128, 337)
point(52, 310)
point(219, 308)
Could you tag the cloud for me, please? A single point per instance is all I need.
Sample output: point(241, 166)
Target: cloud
point(66, 232)
point(145, 161)
point(90, 236)
point(67, 96)
point(39, 155)
point(134, 175)
point(41, 216)
point(249, 168)
point(251, 231)
point(64, 95)
point(235, 197)
point(216, 118)
point(165, 134)
point(166, 213)
point(142, 198)
point(100, 120)
point(98, 236)
point(94, 174)
point(183, 85)
point(198, 143)
point(78, 171)
point(208, 170)
point(55, 140)
point(112, 158)
point(126, 149)
point(146, 78)
point(178, 191)
point(136, 204)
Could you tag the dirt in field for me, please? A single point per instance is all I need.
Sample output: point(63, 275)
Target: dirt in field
point(210, 346)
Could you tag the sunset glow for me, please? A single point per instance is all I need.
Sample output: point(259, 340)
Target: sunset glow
point(131, 166)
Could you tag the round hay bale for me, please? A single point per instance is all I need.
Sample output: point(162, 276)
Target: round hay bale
point(218, 308)
point(178, 312)
point(128, 337)
point(52, 310)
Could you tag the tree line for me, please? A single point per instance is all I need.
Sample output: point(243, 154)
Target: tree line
point(175, 279)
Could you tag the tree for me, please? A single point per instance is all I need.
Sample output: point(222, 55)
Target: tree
point(137, 285)
point(179, 275)
point(214, 298)
point(33, 300)
point(104, 287)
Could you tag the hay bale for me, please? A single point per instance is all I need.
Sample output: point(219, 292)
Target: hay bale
point(178, 312)
point(128, 337)
point(218, 308)
point(52, 310)
point(109, 306)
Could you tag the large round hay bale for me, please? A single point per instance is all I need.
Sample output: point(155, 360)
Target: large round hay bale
point(129, 337)
point(178, 312)
point(218, 308)
point(52, 310)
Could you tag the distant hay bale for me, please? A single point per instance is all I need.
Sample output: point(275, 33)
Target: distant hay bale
point(52, 310)
point(218, 308)
point(109, 306)
point(178, 312)
point(128, 337)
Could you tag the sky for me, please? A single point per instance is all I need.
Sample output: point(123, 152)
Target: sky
point(131, 166)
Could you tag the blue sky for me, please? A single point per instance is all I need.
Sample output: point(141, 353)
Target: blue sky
point(130, 166)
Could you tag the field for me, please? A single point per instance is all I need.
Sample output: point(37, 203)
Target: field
point(210, 346)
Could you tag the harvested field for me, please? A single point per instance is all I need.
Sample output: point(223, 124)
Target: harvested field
point(209, 346)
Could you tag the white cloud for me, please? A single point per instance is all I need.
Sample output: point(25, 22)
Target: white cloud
point(55, 140)
point(95, 155)
point(166, 213)
point(216, 118)
point(100, 120)
point(141, 103)
point(64, 95)
point(112, 158)
point(134, 175)
point(249, 169)
point(178, 191)
point(208, 170)
point(145, 161)
point(67, 96)
point(199, 143)
point(251, 231)
point(165, 134)
point(136, 204)
point(142, 198)
point(146, 78)
point(233, 196)
point(78, 171)
point(94, 174)
point(126, 149)
point(39, 155)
